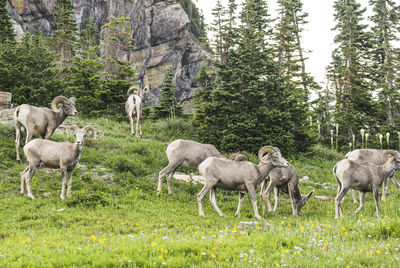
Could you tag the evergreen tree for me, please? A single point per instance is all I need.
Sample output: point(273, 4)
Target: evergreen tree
point(168, 106)
point(65, 35)
point(384, 71)
point(354, 105)
point(29, 72)
point(6, 28)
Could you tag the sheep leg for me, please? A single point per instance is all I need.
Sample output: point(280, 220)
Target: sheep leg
point(270, 187)
point(169, 186)
point(170, 168)
point(213, 200)
point(375, 192)
point(252, 194)
point(362, 198)
point(241, 197)
point(64, 179)
point(385, 187)
point(263, 196)
point(139, 122)
point(276, 191)
point(28, 178)
point(292, 199)
point(395, 182)
point(131, 122)
point(17, 139)
point(23, 178)
point(353, 193)
point(200, 197)
point(338, 199)
point(69, 175)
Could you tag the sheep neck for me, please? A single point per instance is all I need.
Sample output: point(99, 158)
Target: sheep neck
point(264, 170)
point(60, 116)
point(387, 169)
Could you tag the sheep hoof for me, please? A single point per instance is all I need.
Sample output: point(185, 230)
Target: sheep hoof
point(237, 215)
point(31, 196)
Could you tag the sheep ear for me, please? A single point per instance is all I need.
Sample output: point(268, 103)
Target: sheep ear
point(72, 99)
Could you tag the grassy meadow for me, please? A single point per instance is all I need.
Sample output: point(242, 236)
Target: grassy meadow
point(114, 217)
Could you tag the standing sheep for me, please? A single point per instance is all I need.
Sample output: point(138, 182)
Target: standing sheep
point(62, 155)
point(364, 177)
point(134, 106)
point(242, 176)
point(41, 121)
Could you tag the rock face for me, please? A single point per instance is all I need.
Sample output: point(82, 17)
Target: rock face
point(161, 30)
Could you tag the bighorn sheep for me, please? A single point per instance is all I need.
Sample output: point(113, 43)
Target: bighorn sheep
point(374, 156)
point(134, 105)
point(364, 177)
point(189, 154)
point(242, 176)
point(41, 121)
point(287, 180)
point(62, 155)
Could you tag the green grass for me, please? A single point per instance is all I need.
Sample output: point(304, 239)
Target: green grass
point(114, 217)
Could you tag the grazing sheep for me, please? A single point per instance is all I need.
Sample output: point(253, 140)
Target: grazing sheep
point(287, 180)
point(62, 155)
point(364, 177)
point(134, 106)
point(41, 121)
point(189, 154)
point(243, 176)
point(376, 157)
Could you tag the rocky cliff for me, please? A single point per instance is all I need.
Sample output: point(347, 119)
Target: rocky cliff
point(161, 30)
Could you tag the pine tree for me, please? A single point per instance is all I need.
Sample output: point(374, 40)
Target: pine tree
point(168, 105)
point(354, 105)
point(385, 32)
point(296, 82)
point(6, 28)
point(65, 35)
point(29, 72)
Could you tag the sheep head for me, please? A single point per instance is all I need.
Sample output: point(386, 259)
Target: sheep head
point(303, 200)
point(395, 155)
point(80, 134)
point(273, 156)
point(68, 105)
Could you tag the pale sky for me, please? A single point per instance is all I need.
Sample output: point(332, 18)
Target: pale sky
point(317, 35)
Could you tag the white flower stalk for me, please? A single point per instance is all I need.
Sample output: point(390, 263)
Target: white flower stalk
point(354, 140)
point(387, 139)
point(332, 138)
point(337, 135)
point(380, 136)
point(350, 146)
point(366, 140)
point(362, 131)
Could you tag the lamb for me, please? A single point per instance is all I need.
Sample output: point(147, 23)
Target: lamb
point(364, 177)
point(41, 121)
point(242, 176)
point(62, 155)
point(189, 154)
point(287, 180)
point(376, 157)
point(134, 105)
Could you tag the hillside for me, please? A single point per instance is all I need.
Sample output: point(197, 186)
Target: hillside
point(163, 35)
point(115, 218)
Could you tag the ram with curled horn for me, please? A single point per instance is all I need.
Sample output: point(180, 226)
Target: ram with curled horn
point(374, 156)
point(41, 121)
point(62, 155)
point(134, 107)
point(242, 176)
point(364, 177)
point(188, 154)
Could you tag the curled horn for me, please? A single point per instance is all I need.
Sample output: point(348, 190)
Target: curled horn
point(135, 88)
point(238, 157)
point(72, 128)
point(264, 150)
point(89, 127)
point(56, 101)
point(391, 153)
